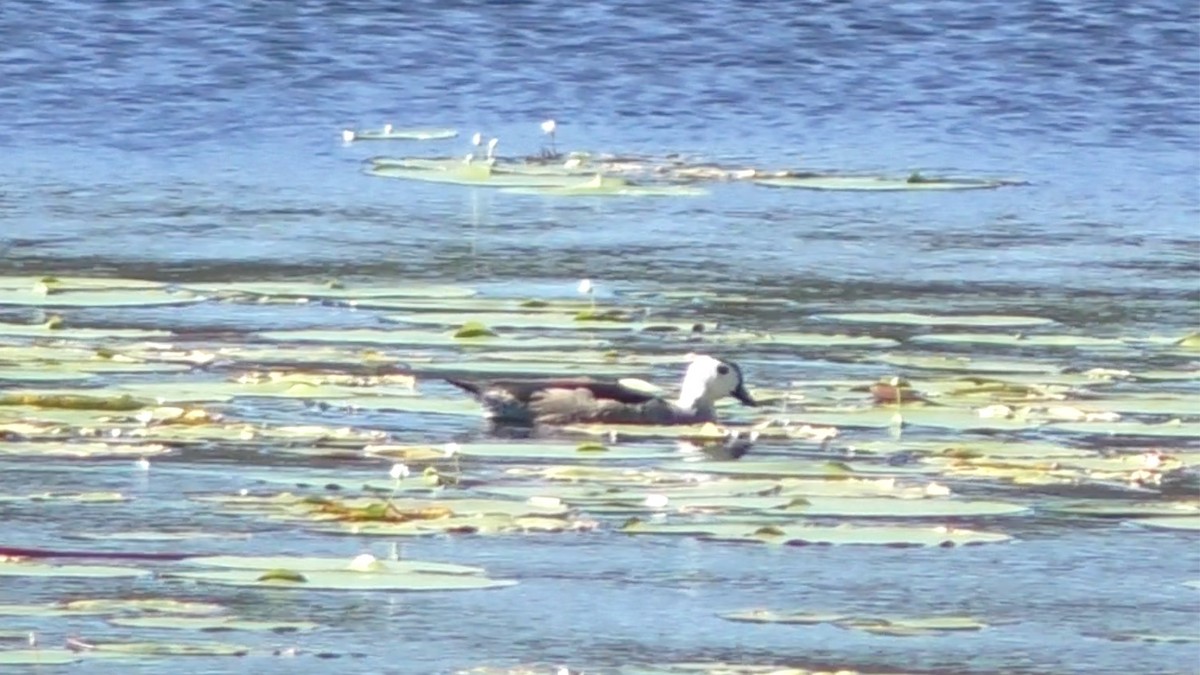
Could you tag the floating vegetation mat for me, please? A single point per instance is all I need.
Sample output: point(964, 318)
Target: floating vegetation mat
point(585, 174)
point(319, 427)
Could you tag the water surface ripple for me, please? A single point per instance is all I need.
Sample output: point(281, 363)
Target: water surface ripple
point(198, 141)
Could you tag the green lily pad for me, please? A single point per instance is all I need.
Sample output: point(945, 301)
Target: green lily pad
point(902, 627)
point(1173, 429)
point(558, 451)
point(141, 606)
point(886, 507)
point(799, 468)
point(610, 186)
point(795, 534)
point(334, 290)
point(877, 183)
point(48, 331)
point(80, 450)
point(907, 318)
point(543, 320)
point(1122, 509)
point(1020, 340)
point(417, 338)
point(38, 657)
point(1170, 523)
point(310, 564)
point(772, 616)
point(71, 400)
point(458, 172)
point(171, 649)
point(212, 624)
point(145, 297)
point(965, 364)
point(348, 580)
point(1134, 404)
point(389, 134)
point(804, 340)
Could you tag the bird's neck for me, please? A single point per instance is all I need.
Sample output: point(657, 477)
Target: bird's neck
point(696, 404)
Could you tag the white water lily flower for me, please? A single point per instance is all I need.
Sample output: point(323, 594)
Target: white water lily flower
point(399, 471)
point(656, 501)
point(997, 410)
point(937, 490)
point(365, 562)
point(450, 449)
point(491, 148)
point(347, 135)
point(549, 126)
point(585, 286)
point(142, 464)
point(387, 129)
point(1066, 412)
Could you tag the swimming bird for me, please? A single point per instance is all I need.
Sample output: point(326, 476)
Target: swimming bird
point(559, 401)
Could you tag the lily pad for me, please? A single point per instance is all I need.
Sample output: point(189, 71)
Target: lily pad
point(38, 657)
point(171, 649)
point(142, 606)
point(886, 507)
point(417, 338)
point(478, 174)
point(1173, 429)
point(557, 451)
point(145, 297)
point(1171, 523)
point(797, 534)
point(909, 318)
point(334, 290)
point(1021, 340)
point(877, 183)
point(29, 568)
point(348, 580)
point(212, 624)
point(804, 340)
point(965, 364)
point(389, 134)
point(310, 564)
point(610, 186)
point(902, 627)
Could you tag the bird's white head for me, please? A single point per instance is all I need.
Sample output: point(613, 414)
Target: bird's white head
point(710, 379)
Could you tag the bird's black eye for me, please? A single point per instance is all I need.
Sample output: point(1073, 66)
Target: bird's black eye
point(722, 369)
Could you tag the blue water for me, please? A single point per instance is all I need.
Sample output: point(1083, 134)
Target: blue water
point(202, 141)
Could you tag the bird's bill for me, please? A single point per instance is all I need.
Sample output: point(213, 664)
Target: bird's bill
point(744, 396)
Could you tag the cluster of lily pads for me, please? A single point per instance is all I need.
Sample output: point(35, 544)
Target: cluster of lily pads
point(1026, 415)
point(580, 173)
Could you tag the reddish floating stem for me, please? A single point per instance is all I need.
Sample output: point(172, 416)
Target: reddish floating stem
point(98, 555)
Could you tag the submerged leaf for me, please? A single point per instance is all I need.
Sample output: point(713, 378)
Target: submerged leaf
point(474, 329)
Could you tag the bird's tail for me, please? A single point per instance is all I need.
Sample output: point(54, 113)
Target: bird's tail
point(472, 388)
